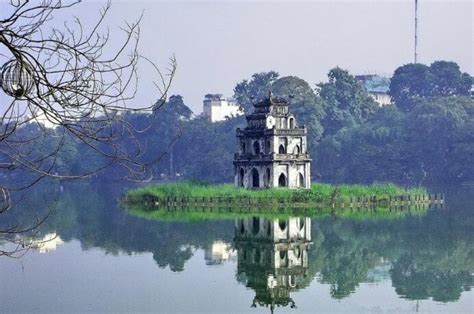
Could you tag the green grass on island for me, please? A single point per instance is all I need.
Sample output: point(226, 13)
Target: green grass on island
point(320, 201)
point(319, 192)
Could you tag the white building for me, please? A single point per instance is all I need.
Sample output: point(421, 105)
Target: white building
point(218, 108)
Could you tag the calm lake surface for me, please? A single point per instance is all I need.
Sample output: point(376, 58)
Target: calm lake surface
point(102, 259)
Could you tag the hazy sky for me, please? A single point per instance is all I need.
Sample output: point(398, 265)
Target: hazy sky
point(217, 44)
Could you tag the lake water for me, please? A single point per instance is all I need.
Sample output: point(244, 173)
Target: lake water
point(101, 259)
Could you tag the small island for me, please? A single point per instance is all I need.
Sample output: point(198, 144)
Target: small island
point(192, 194)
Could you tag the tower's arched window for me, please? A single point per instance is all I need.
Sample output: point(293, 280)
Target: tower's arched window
point(297, 252)
point(267, 147)
point(283, 145)
point(282, 180)
point(243, 147)
point(300, 180)
point(282, 224)
point(292, 123)
point(297, 150)
point(281, 149)
point(302, 222)
point(241, 177)
point(292, 281)
point(256, 147)
point(269, 228)
point(255, 225)
point(255, 178)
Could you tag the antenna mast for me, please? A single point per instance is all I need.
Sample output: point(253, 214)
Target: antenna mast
point(416, 31)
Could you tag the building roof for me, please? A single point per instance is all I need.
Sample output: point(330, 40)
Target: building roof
point(214, 97)
point(374, 83)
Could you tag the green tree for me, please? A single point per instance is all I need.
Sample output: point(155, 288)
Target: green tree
point(411, 82)
point(249, 91)
point(174, 109)
point(373, 151)
point(439, 138)
point(205, 151)
point(448, 80)
point(168, 126)
point(345, 101)
point(433, 143)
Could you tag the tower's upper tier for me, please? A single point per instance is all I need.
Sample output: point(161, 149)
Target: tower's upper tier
point(271, 113)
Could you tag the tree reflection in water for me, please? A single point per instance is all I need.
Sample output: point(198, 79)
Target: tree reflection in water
point(425, 257)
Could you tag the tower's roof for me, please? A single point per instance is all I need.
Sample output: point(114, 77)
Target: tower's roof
point(271, 101)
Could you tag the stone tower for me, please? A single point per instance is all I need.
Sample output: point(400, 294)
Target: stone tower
point(272, 149)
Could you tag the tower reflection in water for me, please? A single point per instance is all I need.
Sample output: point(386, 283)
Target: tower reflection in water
point(272, 256)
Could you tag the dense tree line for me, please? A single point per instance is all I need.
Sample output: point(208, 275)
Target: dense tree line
point(427, 136)
point(351, 138)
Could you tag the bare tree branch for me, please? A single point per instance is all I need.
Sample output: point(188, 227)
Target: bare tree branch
point(67, 84)
point(71, 79)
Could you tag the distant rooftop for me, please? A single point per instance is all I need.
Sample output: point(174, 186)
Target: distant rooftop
point(374, 83)
point(218, 97)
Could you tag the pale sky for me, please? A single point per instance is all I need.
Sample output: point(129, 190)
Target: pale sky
point(217, 44)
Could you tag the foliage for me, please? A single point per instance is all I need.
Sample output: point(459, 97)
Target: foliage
point(411, 82)
point(443, 129)
point(247, 92)
point(431, 144)
point(346, 102)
